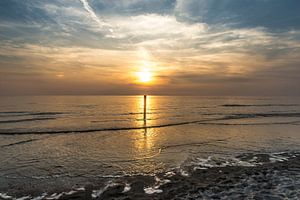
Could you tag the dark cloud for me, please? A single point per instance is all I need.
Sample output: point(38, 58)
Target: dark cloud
point(25, 11)
point(133, 7)
point(273, 14)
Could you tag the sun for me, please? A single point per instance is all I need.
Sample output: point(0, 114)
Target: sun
point(144, 76)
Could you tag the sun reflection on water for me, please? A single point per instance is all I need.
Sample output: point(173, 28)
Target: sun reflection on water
point(145, 139)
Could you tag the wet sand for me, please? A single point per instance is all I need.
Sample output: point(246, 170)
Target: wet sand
point(267, 180)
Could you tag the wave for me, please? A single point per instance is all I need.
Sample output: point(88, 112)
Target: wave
point(26, 120)
point(244, 160)
point(8, 131)
point(203, 121)
point(253, 124)
point(26, 113)
point(133, 113)
point(257, 105)
point(13, 112)
point(123, 120)
point(20, 142)
point(193, 144)
point(47, 113)
point(256, 115)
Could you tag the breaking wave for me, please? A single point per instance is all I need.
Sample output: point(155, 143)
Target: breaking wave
point(26, 120)
point(213, 121)
point(258, 105)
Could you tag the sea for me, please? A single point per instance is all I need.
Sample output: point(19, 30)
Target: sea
point(50, 143)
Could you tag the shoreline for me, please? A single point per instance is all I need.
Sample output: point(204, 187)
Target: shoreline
point(268, 179)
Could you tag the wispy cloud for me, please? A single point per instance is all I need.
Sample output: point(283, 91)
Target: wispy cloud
point(93, 15)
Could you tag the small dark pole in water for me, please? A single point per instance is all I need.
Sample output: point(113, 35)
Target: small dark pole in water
point(145, 107)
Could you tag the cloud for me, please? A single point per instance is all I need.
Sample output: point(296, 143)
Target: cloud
point(133, 7)
point(273, 14)
point(88, 8)
point(196, 46)
point(153, 26)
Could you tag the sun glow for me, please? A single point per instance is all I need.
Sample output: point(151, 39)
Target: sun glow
point(144, 76)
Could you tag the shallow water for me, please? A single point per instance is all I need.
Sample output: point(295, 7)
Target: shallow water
point(74, 140)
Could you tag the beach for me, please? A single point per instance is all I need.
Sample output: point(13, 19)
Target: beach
point(260, 176)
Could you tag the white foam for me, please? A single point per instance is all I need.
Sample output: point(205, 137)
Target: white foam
point(276, 157)
point(161, 182)
point(210, 162)
point(40, 197)
point(152, 190)
point(238, 162)
point(155, 189)
point(127, 188)
point(24, 198)
point(54, 196)
point(170, 174)
point(57, 196)
point(204, 162)
point(184, 173)
point(197, 168)
point(80, 189)
point(5, 196)
point(97, 193)
point(219, 161)
point(71, 192)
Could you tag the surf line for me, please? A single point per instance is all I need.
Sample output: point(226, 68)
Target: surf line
point(108, 129)
point(145, 126)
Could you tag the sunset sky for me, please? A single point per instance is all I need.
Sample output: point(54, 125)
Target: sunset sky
point(188, 47)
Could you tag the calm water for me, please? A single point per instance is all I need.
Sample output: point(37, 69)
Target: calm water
point(67, 140)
